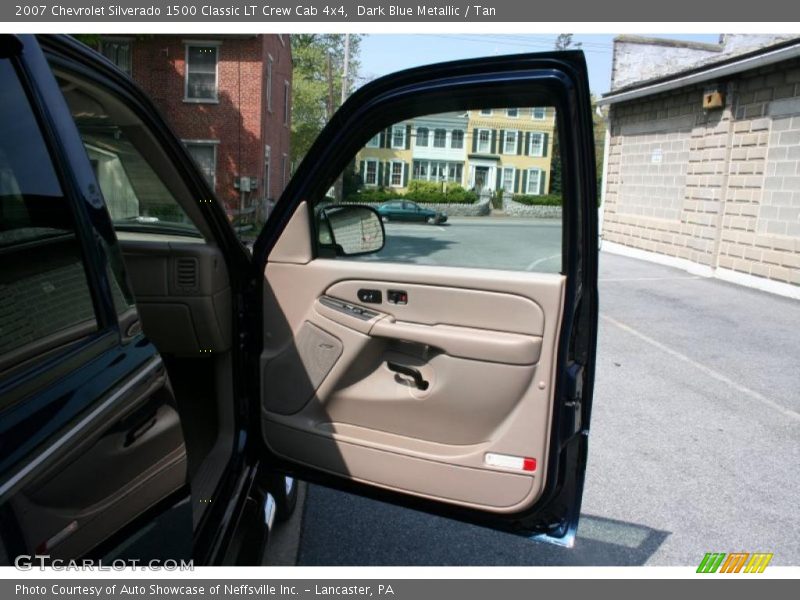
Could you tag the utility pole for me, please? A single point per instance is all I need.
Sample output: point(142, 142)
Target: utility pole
point(346, 74)
point(338, 187)
point(330, 107)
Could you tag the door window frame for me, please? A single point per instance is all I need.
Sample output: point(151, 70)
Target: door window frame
point(432, 90)
point(103, 311)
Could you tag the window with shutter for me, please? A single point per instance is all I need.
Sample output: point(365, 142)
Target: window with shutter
point(484, 141)
point(533, 184)
point(396, 174)
point(508, 179)
point(398, 136)
point(536, 147)
point(510, 142)
point(371, 172)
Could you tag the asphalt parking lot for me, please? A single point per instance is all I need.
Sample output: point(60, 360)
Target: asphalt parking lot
point(695, 438)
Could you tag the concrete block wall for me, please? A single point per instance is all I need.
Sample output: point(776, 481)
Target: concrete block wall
point(721, 188)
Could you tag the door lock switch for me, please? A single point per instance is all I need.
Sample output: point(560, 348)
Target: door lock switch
point(397, 297)
point(370, 296)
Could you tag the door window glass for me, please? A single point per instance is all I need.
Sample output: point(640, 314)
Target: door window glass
point(492, 188)
point(137, 181)
point(45, 300)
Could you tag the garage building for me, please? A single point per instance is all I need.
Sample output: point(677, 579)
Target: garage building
point(702, 161)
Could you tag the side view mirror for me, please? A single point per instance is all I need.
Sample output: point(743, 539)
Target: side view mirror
point(352, 229)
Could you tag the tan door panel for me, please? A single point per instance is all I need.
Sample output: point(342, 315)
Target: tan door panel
point(483, 342)
point(182, 292)
point(464, 342)
point(496, 311)
point(464, 404)
point(494, 490)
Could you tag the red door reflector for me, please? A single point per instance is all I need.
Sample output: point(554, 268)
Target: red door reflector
point(506, 461)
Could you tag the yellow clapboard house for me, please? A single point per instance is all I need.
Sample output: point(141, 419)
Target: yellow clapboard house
point(511, 149)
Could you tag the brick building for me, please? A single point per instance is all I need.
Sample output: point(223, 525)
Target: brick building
point(702, 165)
point(228, 97)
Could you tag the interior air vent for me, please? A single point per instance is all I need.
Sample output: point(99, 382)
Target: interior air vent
point(186, 273)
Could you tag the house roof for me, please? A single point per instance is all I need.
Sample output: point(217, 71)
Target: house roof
point(709, 69)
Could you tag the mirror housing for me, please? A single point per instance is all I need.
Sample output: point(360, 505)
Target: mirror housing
point(351, 229)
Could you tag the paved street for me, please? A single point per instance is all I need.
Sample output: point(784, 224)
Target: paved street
point(695, 436)
point(499, 243)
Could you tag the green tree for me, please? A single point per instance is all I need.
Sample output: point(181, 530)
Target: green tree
point(90, 39)
point(555, 165)
point(599, 124)
point(599, 135)
point(317, 84)
point(564, 42)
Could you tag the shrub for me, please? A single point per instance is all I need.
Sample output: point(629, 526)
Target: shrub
point(431, 192)
point(377, 196)
point(544, 200)
point(423, 192)
point(417, 186)
point(458, 195)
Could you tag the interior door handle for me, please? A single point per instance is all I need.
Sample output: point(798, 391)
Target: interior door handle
point(143, 427)
point(410, 372)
